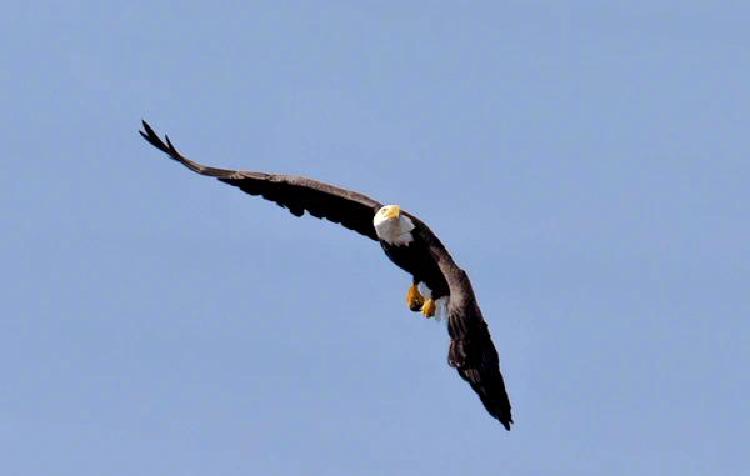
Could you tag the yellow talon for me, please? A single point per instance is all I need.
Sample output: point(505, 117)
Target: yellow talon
point(428, 308)
point(414, 298)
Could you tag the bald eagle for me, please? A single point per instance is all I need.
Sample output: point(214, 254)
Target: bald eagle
point(438, 284)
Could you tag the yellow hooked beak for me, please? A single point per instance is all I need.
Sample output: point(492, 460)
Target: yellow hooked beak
point(392, 211)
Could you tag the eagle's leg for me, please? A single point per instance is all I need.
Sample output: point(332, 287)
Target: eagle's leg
point(414, 298)
point(429, 307)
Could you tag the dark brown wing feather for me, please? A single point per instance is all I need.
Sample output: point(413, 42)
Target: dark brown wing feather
point(297, 194)
point(471, 352)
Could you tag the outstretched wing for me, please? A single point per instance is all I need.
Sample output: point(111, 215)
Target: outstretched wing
point(471, 352)
point(297, 194)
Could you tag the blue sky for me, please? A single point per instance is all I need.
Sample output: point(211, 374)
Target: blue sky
point(585, 162)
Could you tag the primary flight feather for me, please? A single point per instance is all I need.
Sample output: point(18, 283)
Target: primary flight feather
point(438, 284)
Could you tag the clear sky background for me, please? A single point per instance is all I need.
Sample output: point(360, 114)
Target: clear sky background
point(586, 163)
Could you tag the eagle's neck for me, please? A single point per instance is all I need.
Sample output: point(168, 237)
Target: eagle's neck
point(394, 231)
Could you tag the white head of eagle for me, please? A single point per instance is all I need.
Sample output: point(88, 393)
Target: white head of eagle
point(393, 227)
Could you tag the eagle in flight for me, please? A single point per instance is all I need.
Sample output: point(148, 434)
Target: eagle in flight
point(438, 286)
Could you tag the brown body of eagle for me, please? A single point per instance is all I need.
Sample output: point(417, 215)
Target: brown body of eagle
point(471, 352)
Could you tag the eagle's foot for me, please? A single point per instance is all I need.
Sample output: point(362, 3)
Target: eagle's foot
point(414, 298)
point(429, 308)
